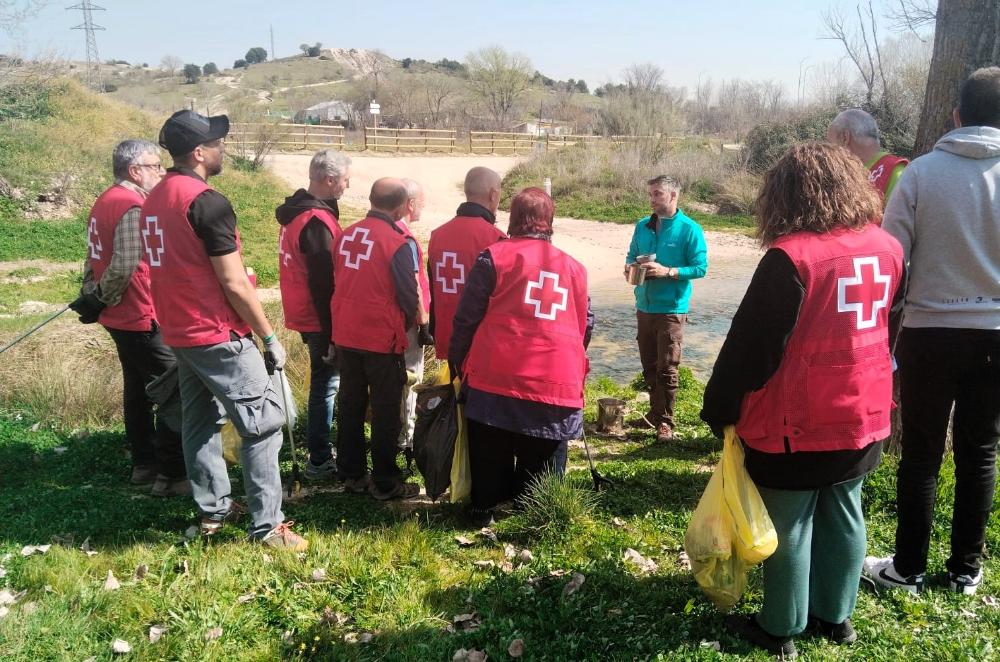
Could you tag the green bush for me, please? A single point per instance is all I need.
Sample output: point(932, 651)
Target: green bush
point(24, 102)
point(767, 142)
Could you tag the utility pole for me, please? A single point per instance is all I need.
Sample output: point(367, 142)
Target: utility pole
point(274, 56)
point(93, 59)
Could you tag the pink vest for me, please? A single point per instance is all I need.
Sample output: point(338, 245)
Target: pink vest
point(365, 313)
point(192, 308)
point(300, 311)
point(529, 345)
point(833, 388)
point(135, 310)
point(452, 250)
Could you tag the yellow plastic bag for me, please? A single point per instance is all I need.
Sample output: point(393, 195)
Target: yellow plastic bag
point(730, 529)
point(461, 471)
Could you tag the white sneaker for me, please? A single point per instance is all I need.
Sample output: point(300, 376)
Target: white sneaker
point(965, 584)
point(883, 572)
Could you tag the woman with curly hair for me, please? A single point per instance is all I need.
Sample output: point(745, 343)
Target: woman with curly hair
point(519, 341)
point(805, 375)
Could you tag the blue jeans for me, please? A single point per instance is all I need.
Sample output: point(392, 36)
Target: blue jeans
point(324, 382)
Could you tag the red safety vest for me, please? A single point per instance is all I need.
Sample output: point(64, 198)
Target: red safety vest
point(833, 388)
point(881, 171)
point(192, 308)
point(300, 311)
point(425, 287)
point(135, 311)
point(452, 250)
point(530, 342)
point(365, 313)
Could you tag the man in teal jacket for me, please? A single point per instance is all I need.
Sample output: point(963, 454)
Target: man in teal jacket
point(671, 248)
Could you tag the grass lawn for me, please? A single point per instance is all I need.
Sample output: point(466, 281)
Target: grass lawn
point(398, 574)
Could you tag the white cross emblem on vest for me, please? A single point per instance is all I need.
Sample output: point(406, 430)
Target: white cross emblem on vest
point(94, 241)
point(876, 173)
point(863, 302)
point(283, 255)
point(546, 295)
point(152, 237)
point(356, 247)
point(449, 272)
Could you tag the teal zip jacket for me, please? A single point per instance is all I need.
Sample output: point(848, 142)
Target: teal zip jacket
point(680, 243)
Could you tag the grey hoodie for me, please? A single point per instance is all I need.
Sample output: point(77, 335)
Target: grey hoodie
point(945, 211)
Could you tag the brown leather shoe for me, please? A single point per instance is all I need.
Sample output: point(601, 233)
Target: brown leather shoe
point(664, 433)
point(209, 527)
point(282, 537)
point(143, 475)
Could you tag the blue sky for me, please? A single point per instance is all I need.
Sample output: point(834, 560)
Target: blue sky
point(754, 39)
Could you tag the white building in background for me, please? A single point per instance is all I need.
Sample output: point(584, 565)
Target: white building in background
point(543, 127)
point(327, 112)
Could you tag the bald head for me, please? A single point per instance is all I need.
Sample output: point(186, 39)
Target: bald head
point(414, 200)
point(857, 131)
point(389, 196)
point(482, 186)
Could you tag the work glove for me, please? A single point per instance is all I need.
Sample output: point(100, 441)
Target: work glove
point(88, 306)
point(331, 356)
point(274, 355)
point(424, 337)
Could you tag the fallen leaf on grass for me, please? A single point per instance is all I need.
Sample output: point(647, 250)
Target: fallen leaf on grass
point(558, 572)
point(506, 567)
point(213, 634)
point(465, 623)
point(245, 598)
point(4, 611)
point(574, 584)
point(300, 556)
point(684, 561)
point(287, 637)
point(140, 573)
point(8, 598)
point(59, 450)
point(489, 534)
point(333, 618)
point(714, 645)
point(526, 556)
point(184, 567)
point(155, 632)
point(65, 540)
point(29, 608)
point(191, 532)
point(614, 612)
point(991, 601)
point(646, 566)
point(509, 551)
point(28, 550)
point(485, 565)
point(111, 583)
point(464, 542)
point(266, 558)
point(34, 428)
point(472, 655)
point(319, 574)
point(356, 638)
point(3, 572)
point(86, 548)
point(516, 648)
point(618, 522)
point(969, 614)
point(121, 647)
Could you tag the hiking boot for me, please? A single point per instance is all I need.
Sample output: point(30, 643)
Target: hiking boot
point(171, 487)
point(321, 472)
point(664, 433)
point(640, 423)
point(282, 537)
point(143, 475)
point(842, 634)
point(399, 490)
point(357, 485)
point(481, 518)
point(209, 526)
point(883, 572)
point(747, 628)
point(965, 584)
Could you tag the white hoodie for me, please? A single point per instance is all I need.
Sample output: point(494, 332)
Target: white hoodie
point(945, 211)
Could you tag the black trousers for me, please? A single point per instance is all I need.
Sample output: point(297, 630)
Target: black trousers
point(503, 463)
point(939, 368)
point(383, 376)
point(144, 357)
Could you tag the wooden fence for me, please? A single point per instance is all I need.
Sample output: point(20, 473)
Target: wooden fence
point(409, 140)
point(290, 137)
point(501, 142)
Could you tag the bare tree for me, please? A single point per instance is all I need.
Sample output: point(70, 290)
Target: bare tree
point(499, 79)
point(911, 15)
point(375, 68)
point(438, 92)
point(171, 63)
point(14, 12)
point(861, 43)
point(966, 37)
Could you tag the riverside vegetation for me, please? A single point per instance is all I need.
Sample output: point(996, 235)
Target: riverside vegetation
point(377, 582)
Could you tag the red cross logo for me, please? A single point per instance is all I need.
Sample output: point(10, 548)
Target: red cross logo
point(152, 236)
point(283, 255)
point(865, 293)
point(552, 297)
point(94, 241)
point(356, 247)
point(875, 174)
point(449, 272)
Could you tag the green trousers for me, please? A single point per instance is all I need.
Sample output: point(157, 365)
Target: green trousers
point(817, 566)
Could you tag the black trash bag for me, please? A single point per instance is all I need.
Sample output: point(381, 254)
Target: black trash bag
point(434, 435)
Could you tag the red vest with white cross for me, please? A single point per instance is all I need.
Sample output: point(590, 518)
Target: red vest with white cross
point(833, 388)
point(425, 287)
point(192, 308)
point(366, 315)
point(881, 171)
point(300, 310)
point(452, 250)
point(529, 344)
point(135, 311)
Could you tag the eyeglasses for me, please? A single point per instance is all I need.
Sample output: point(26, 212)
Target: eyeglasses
point(154, 166)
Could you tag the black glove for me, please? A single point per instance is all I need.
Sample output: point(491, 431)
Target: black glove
point(89, 307)
point(424, 337)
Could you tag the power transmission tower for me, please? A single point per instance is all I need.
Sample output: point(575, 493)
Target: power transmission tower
point(93, 59)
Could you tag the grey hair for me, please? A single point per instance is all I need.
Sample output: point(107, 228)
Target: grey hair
point(666, 183)
point(412, 188)
point(858, 123)
point(127, 153)
point(328, 163)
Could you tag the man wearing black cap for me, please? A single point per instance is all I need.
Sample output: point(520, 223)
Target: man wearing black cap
point(208, 310)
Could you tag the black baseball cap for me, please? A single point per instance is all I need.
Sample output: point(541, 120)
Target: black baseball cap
point(186, 129)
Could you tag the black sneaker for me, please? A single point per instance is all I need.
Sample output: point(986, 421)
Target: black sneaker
point(746, 628)
point(842, 634)
point(327, 471)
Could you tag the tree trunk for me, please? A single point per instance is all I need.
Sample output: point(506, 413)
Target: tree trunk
point(966, 37)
